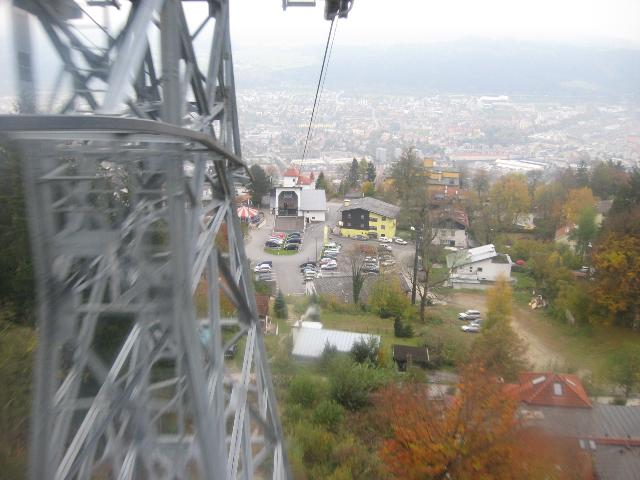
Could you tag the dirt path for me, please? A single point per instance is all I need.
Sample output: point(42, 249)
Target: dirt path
point(542, 356)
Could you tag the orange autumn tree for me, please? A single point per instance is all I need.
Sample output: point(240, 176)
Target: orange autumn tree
point(474, 435)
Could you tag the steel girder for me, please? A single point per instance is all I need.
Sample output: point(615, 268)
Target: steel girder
point(142, 280)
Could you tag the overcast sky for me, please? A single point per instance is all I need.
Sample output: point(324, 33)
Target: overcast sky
point(380, 22)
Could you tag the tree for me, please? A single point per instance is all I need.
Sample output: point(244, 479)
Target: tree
point(386, 298)
point(582, 174)
point(577, 200)
point(498, 347)
point(321, 182)
point(357, 277)
point(624, 215)
point(368, 189)
point(476, 435)
point(260, 185)
point(352, 177)
point(624, 369)
point(501, 351)
point(617, 286)
point(16, 268)
point(363, 166)
point(366, 350)
point(607, 178)
point(408, 178)
point(547, 203)
point(280, 306)
point(371, 172)
point(498, 304)
point(509, 197)
point(481, 183)
point(585, 231)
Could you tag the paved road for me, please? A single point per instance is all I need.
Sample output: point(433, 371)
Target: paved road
point(286, 267)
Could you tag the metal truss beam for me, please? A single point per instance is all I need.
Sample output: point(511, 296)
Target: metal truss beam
point(129, 168)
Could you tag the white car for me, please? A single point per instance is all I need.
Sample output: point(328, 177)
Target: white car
point(400, 241)
point(469, 315)
point(264, 268)
point(471, 328)
point(329, 266)
point(385, 240)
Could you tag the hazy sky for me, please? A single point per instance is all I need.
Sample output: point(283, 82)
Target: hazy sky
point(601, 22)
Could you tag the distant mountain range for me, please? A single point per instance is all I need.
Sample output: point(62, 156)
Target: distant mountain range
point(467, 67)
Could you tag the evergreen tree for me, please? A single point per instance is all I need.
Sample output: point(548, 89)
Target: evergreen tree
point(260, 185)
point(352, 177)
point(321, 182)
point(371, 172)
point(280, 306)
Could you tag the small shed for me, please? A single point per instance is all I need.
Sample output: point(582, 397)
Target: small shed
point(309, 343)
point(405, 355)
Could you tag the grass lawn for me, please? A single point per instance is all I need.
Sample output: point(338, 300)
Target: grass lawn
point(279, 251)
point(584, 348)
point(522, 287)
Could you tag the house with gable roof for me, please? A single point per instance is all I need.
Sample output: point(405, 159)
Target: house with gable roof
point(558, 404)
point(296, 201)
point(478, 267)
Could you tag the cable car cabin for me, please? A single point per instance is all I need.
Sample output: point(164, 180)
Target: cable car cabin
point(332, 8)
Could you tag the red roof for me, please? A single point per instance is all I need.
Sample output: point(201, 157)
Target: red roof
point(302, 180)
point(549, 389)
point(292, 172)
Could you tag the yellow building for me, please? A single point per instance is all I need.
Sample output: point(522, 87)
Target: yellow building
point(440, 175)
point(368, 216)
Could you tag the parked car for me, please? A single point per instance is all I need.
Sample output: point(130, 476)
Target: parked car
point(231, 351)
point(471, 328)
point(262, 269)
point(329, 254)
point(264, 277)
point(385, 240)
point(307, 264)
point(294, 240)
point(289, 237)
point(469, 315)
point(280, 235)
point(266, 262)
point(329, 266)
point(324, 260)
point(272, 245)
point(400, 241)
point(360, 237)
point(275, 240)
point(291, 246)
point(333, 245)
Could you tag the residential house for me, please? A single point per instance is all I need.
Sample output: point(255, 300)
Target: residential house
point(368, 216)
point(478, 267)
point(559, 404)
point(450, 229)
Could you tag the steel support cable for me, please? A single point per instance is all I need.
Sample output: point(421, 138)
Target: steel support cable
point(324, 78)
point(315, 101)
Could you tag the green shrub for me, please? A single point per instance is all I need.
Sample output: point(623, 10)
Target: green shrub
point(314, 442)
point(401, 330)
point(329, 414)
point(366, 350)
point(445, 349)
point(306, 391)
point(351, 383)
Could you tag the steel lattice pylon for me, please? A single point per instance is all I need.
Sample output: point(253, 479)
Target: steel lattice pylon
point(129, 165)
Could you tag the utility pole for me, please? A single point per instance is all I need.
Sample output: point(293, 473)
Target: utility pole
point(415, 266)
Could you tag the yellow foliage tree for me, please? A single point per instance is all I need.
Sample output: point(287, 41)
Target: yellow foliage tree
point(509, 197)
point(577, 200)
point(498, 303)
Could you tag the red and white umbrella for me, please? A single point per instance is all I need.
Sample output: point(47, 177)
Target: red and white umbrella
point(245, 212)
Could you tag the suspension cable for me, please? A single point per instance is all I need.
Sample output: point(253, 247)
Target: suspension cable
point(315, 101)
point(324, 78)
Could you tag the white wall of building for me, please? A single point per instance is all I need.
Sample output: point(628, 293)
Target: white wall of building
point(444, 237)
point(483, 270)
